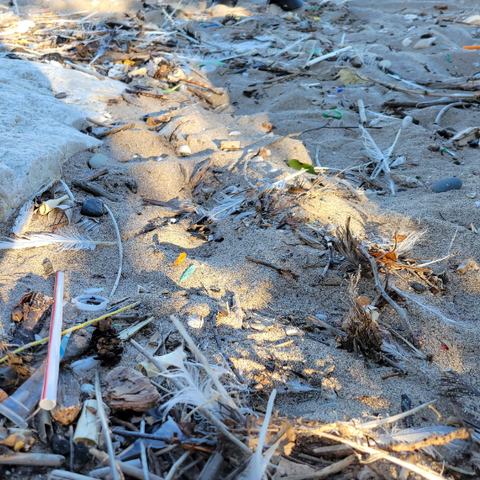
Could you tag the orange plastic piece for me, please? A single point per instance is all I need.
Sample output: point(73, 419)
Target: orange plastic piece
point(180, 259)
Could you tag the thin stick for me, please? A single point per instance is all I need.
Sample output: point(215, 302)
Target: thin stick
point(104, 420)
point(120, 250)
point(382, 455)
point(460, 434)
point(72, 329)
point(328, 55)
point(85, 70)
point(382, 291)
point(199, 84)
point(201, 358)
point(176, 466)
point(205, 412)
point(143, 453)
point(395, 418)
point(125, 467)
point(421, 92)
point(227, 359)
point(113, 131)
point(278, 269)
point(325, 472)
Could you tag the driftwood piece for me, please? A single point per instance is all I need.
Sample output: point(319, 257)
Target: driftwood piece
point(94, 189)
point(128, 389)
point(68, 399)
point(29, 310)
point(64, 475)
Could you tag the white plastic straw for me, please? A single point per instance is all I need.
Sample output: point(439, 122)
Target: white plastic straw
point(50, 385)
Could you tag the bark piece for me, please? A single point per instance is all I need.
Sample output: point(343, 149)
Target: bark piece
point(128, 389)
point(68, 399)
point(30, 309)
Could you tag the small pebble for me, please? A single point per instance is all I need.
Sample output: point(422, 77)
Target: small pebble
point(292, 331)
point(471, 195)
point(195, 321)
point(407, 41)
point(97, 161)
point(61, 95)
point(131, 184)
point(92, 207)
point(385, 64)
point(434, 147)
point(424, 43)
point(418, 287)
point(47, 267)
point(447, 184)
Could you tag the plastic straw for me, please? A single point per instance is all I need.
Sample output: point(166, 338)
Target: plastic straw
point(50, 385)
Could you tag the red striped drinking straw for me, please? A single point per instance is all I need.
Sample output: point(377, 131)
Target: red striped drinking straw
point(50, 385)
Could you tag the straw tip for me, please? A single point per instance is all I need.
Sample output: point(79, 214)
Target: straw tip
point(47, 404)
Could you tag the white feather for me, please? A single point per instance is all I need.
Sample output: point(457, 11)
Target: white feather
point(259, 462)
point(195, 392)
point(66, 240)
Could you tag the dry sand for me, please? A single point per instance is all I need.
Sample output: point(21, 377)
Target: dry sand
point(348, 386)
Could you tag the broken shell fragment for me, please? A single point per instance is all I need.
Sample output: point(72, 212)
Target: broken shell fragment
point(184, 150)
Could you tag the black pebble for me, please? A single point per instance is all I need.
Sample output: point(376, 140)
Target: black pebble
point(92, 207)
point(60, 445)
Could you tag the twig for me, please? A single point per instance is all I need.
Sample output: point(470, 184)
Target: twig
point(395, 418)
point(382, 455)
point(421, 92)
point(120, 251)
point(104, 421)
point(125, 467)
point(147, 94)
point(325, 472)
point(205, 412)
point(327, 326)
point(143, 453)
point(114, 130)
point(278, 269)
point(382, 291)
point(199, 84)
point(328, 55)
point(230, 364)
point(85, 70)
point(96, 190)
point(176, 466)
point(460, 434)
point(97, 174)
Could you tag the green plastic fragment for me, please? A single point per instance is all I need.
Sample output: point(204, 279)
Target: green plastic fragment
point(294, 163)
point(333, 114)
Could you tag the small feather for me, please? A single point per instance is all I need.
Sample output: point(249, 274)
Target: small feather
point(66, 240)
point(187, 273)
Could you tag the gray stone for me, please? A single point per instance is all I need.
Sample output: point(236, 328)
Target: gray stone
point(447, 184)
point(92, 207)
point(97, 161)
